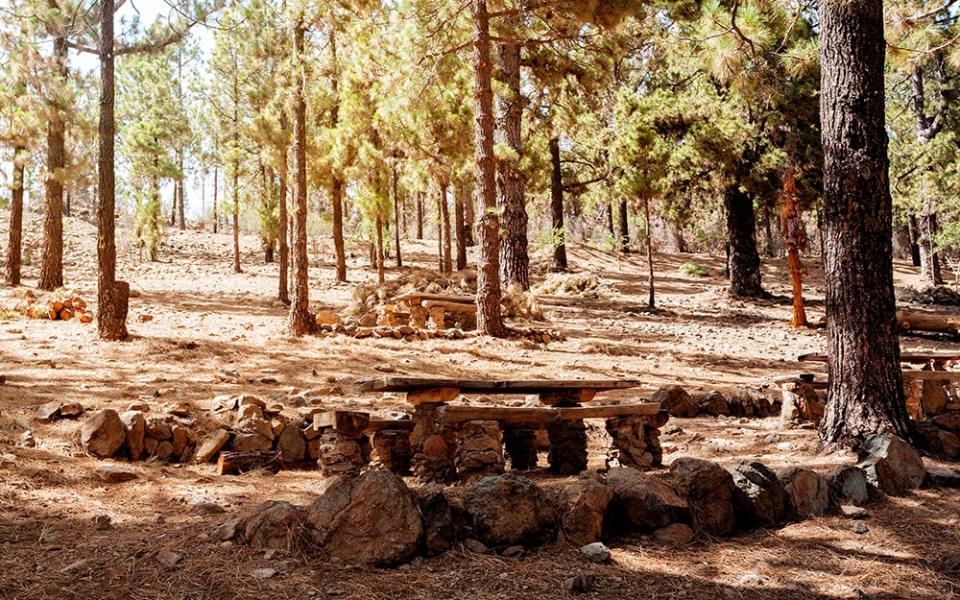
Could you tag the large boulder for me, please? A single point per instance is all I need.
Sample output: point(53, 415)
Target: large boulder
point(276, 525)
point(891, 464)
point(645, 502)
point(807, 492)
point(508, 510)
point(848, 485)
point(759, 498)
point(103, 434)
point(713, 404)
point(939, 442)
point(584, 507)
point(291, 444)
point(371, 519)
point(676, 401)
point(708, 489)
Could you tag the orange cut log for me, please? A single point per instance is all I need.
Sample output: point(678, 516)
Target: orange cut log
point(86, 318)
point(57, 305)
point(52, 314)
point(66, 314)
point(68, 303)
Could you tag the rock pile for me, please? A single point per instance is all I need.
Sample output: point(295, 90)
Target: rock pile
point(136, 435)
point(742, 403)
point(636, 441)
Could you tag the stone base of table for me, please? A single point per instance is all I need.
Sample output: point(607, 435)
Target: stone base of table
point(391, 450)
point(636, 442)
point(521, 444)
point(479, 448)
point(429, 444)
point(568, 447)
point(340, 454)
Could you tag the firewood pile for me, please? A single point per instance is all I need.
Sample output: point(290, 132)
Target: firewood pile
point(61, 305)
point(66, 308)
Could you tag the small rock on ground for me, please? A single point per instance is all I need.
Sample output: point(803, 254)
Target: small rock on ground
point(596, 552)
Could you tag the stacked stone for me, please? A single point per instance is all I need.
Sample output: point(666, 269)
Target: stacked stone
point(429, 444)
point(254, 432)
point(520, 443)
point(391, 449)
point(636, 441)
point(105, 434)
point(568, 447)
point(479, 449)
point(342, 442)
point(801, 403)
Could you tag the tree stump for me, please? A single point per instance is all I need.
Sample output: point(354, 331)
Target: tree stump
point(520, 444)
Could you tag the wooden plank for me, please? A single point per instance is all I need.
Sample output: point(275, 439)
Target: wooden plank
point(433, 395)
point(795, 378)
point(345, 421)
point(493, 386)
point(380, 424)
point(450, 306)
point(917, 358)
point(536, 415)
point(418, 297)
point(950, 376)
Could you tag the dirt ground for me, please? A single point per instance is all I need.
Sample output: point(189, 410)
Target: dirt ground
point(206, 318)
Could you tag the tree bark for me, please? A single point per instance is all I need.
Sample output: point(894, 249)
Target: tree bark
point(914, 232)
point(768, 230)
point(112, 295)
point(470, 218)
point(929, 258)
point(419, 215)
point(514, 261)
point(15, 240)
point(556, 208)
point(181, 195)
point(865, 389)
point(624, 226)
point(396, 217)
point(744, 261)
point(236, 169)
point(795, 239)
point(284, 249)
point(51, 268)
point(336, 186)
point(608, 208)
point(651, 297)
point(460, 226)
point(379, 255)
point(446, 247)
point(300, 321)
point(216, 185)
point(489, 318)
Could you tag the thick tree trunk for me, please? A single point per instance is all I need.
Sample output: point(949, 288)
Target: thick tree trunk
point(608, 208)
point(624, 226)
point(489, 318)
point(865, 390)
point(282, 227)
point(470, 218)
point(556, 208)
point(381, 274)
point(336, 186)
point(51, 268)
point(15, 240)
point(236, 169)
point(396, 217)
point(112, 295)
point(514, 262)
point(67, 204)
point(914, 231)
point(744, 261)
point(216, 185)
point(651, 297)
point(300, 321)
point(460, 227)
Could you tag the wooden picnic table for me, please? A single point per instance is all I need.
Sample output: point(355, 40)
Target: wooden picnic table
point(495, 386)
point(937, 359)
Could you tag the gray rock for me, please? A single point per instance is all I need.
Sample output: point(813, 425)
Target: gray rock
point(168, 558)
point(371, 519)
point(940, 477)
point(276, 525)
point(759, 498)
point(291, 444)
point(76, 567)
point(848, 485)
point(103, 434)
point(708, 490)
point(48, 412)
point(853, 512)
point(891, 464)
point(475, 546)
point(860, 528)
point(596, 552)
point(645, 502)
point(507, 510)
point(113, 473)
point(578, 584)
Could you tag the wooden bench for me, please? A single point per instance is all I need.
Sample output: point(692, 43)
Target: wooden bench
point(937, 360)
point(447, 438)
point(442, 310)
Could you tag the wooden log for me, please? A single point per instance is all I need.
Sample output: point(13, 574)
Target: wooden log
point(914, 321)
point(233, 463)
point(347, 422)
point(542, 415)
point(457, 307)
point(567, 397)
point(494, 386)
point(435, 395)
point(644, 409)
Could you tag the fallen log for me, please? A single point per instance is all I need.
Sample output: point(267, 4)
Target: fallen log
point(235, 463)
point(913, 321)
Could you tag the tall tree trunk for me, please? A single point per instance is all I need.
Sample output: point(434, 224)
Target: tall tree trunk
point(744, 259)
point(173, 206)
point(419, 215)
point(489, 317)
point(396, 216)
point(216, 185)
point(236, 169)
point(794, 237)
point(15, 245)
point(768, 231)
point(865, 390)
point(112, 295)
point(300, 321)
point(282, 228)
point(381, 274)
point(460, 227)
point(929, 258)
point(624, 226)
point(443, 231)
point(181, 196)
point(608, 208)
point(914, 232)
point(336, 186)
point(67, 212)
point(51, 268)
point(556, 208)
point(470, 218)
point(514, 262)
point(648, 239)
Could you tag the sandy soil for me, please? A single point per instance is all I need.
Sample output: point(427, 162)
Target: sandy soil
point(206, 318)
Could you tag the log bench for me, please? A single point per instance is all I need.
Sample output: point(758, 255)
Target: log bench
point(447, 439)
point(442, 310)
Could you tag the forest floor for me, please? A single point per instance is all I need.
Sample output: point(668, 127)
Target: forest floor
point(206, 318)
